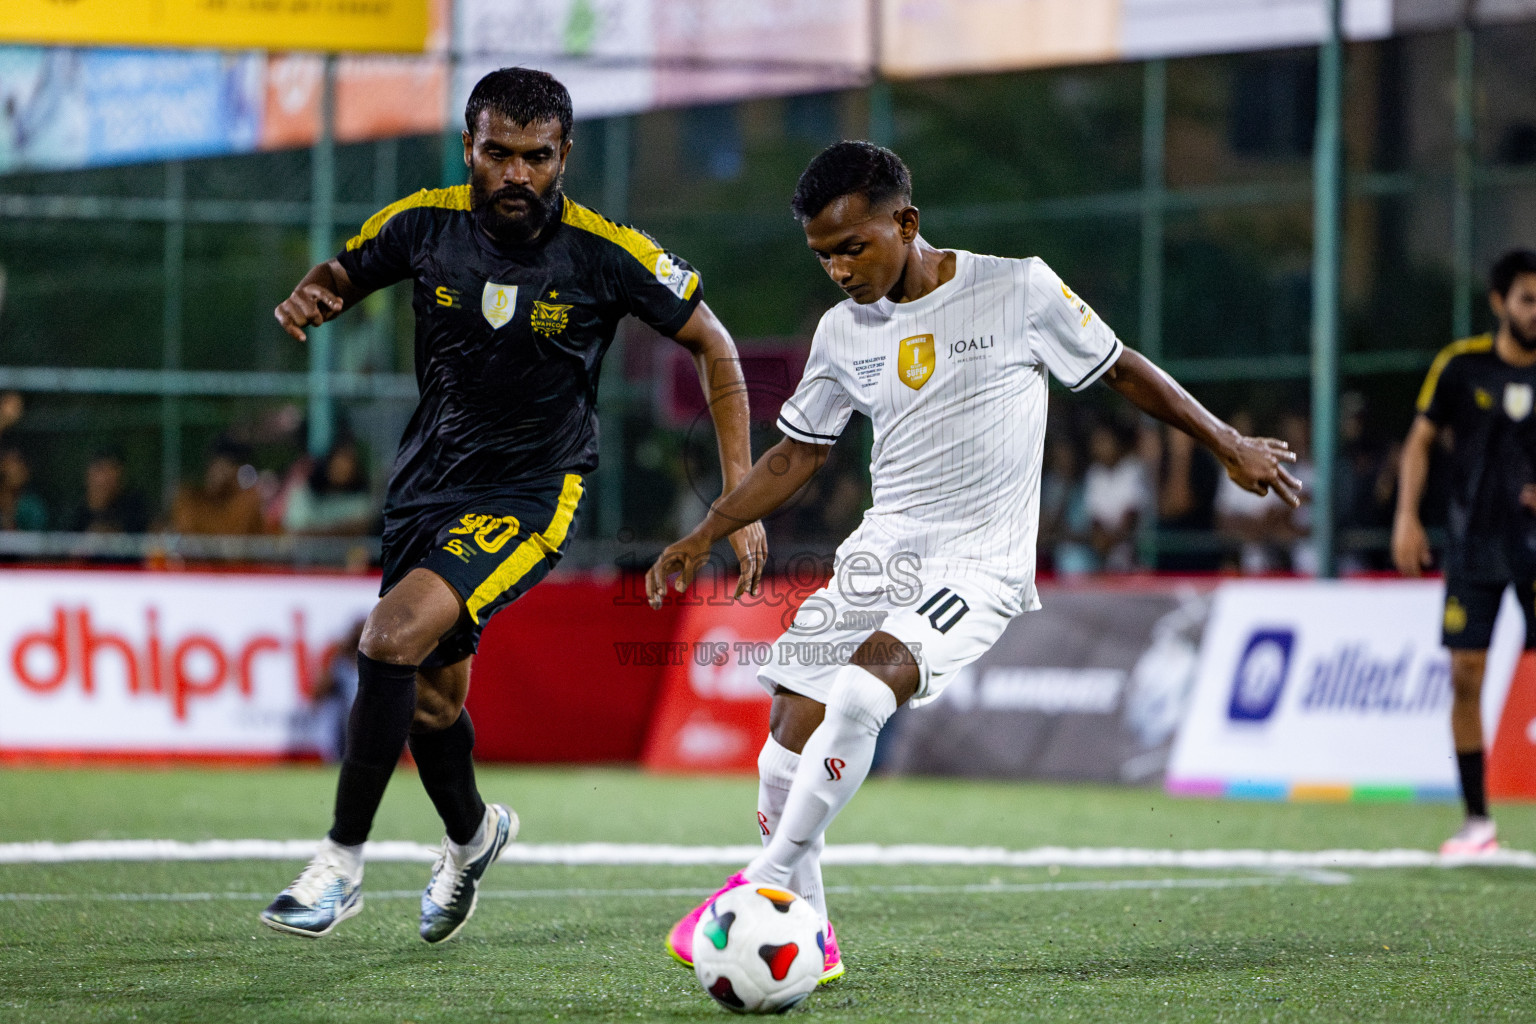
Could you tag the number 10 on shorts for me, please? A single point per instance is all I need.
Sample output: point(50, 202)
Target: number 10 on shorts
point(944, 609)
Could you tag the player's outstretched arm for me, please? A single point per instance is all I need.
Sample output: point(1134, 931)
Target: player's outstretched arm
point(719, 368)
point(1256, 464)
point(773, 480)
point(325, 291)
point(1410, 544)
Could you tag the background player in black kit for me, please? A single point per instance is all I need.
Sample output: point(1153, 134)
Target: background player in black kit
point(1482, 391)
point(518, 292)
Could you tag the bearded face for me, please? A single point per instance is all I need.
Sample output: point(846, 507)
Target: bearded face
point(515, 176)
point(515, 214)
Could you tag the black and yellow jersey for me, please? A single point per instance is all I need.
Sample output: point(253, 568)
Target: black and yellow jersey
point(509, 339)
point(1487, 405)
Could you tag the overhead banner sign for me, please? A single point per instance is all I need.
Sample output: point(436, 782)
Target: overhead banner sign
point(938, 37)
point(131, 664)
point(330, 25)
point(1333, 691)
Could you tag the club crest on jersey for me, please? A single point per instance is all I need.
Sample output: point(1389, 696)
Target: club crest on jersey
point(498, 302)
point(915, 361)
point(1517, 401)
point(549, 318)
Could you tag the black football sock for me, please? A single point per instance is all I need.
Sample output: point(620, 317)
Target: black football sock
point(447, 769)
point(1470, 766)
point(376, 733)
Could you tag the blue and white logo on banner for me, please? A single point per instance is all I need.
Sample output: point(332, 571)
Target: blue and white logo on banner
point(1260, 676)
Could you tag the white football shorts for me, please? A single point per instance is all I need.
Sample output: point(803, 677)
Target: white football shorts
point(945, 623)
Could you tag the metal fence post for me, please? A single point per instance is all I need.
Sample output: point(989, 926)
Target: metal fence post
point(322, 246)
point(171, 325)
point(1327, 182)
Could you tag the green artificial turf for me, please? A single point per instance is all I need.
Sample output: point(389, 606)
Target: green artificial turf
point(102, 942)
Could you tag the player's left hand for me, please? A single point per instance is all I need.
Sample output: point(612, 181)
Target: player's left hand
point(1257, 464)
point(1528, 498)
point(751, 546)
point(683, 558)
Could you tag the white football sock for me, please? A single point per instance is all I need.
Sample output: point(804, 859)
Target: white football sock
point(776, 767)
point(468, 850)
point(351, 857)
point(833, 765)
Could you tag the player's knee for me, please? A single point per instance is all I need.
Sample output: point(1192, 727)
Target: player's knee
point(435, 710)
point(1466, 679)
point(792, 719)
point(862, 698)
point(395, 637)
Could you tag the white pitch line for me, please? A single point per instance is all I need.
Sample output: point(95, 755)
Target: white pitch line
point(853, 854)
point(1116, 885)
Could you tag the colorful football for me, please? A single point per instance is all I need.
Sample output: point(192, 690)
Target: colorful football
point(758, 949)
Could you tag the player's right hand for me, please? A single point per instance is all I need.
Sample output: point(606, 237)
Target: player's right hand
point(683, 558)
point(1410, 546)
point(310, 305)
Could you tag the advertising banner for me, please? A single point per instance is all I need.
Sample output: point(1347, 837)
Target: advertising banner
point(73, 108)
point(938, 37)
point(376, 97)
point(1170, 28)
point(393, 25)
point(1090, 687)
point(712, 714)
point(141, 664)
point(1331, 690)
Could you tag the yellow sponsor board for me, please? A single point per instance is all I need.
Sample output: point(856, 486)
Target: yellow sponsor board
point(367, 25)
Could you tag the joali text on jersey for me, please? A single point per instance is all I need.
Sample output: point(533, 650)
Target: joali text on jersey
point(967, 349)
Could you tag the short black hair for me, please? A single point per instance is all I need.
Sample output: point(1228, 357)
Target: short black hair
point(1508, 267)
point(850, 168)
point(522, 95)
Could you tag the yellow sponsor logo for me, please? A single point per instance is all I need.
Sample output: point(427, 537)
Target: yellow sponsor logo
point(549, 318)
point(491, 532)
point(1483, 399)
point(915, 361)
point(457, 548)
point(1078, 304)
point(1455, 616)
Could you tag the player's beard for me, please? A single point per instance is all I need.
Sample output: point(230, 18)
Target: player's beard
point(1525, 341)
point(542, 208)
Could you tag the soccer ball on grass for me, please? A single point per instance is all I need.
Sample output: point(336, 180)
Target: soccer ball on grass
point(759, 949)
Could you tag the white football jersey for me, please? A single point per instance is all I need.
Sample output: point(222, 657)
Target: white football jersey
point(954, 383)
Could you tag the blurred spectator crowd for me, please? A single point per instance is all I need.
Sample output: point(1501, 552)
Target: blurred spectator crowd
point(327, 496)
point(1116, 495)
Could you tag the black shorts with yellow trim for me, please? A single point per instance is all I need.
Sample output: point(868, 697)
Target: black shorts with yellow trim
point(491, 549)
point(1471, 605)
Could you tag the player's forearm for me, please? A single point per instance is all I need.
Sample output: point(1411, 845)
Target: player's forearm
point(726, 391)
point(331, 276)
point(772, 480)
point(1147, 387)
point(1413, 471)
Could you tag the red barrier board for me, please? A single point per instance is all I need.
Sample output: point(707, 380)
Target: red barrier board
point(712, 714)
point(567, 674)
point(1512, 757)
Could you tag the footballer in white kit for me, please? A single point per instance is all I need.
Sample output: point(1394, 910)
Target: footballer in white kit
point(947, 353)
point(954, 384)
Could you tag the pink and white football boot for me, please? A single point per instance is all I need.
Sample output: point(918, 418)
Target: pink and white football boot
point(680, 938)
point(1476, 836)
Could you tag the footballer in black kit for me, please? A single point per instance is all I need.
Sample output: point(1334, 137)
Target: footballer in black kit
point(1482, 391)
point(517, 292)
